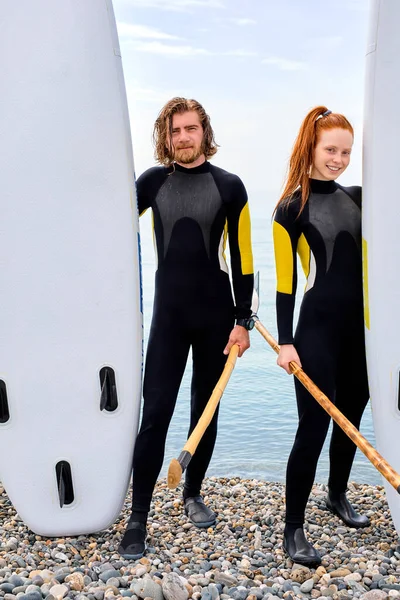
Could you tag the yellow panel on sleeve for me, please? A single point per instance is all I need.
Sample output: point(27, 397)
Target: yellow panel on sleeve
point(283, 259)
point(244, 235)
point(224, 239)
point(303, 250)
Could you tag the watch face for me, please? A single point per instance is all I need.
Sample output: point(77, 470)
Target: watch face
point(250, 324)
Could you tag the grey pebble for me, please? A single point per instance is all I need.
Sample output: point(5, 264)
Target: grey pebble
point(307, 586)
point(20, 589)
point(33, 588)
point(225, 579)
point(16, 581)
point(106, 575)
point(256, 592)
point(214, 591)
point(31, 596)
point(113, 581)
point(240, 594)
point(149, 589)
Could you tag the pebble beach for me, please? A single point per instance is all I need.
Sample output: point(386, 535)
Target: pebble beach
point(241, 558)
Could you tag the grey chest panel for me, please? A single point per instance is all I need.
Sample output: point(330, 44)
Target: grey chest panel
point(333, 214)
point(188, 196)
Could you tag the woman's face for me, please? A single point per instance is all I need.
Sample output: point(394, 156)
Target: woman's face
point(332, 154)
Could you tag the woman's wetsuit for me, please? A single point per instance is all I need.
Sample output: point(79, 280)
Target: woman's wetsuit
point(330, 331)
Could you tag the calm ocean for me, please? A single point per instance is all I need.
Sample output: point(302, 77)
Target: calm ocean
point(258, 414)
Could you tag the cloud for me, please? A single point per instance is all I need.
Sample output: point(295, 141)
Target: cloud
point(148, 95)
point(176, 5)
point(324, 43)
point(166, 50)
point(240, 53)
point(126, 30)
point(357, 5)
point(243, 21)
point(284, 64)
point(185, 51)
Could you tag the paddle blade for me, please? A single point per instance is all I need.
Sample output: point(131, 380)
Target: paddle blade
point(174, 474)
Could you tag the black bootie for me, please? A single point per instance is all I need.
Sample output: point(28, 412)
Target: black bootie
point(298, 548)
point(340, 506)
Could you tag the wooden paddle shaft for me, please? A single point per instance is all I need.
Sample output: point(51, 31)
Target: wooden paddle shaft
point(373, 455)
point(212, 404)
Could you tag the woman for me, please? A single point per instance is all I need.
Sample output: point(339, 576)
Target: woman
point(321, 221)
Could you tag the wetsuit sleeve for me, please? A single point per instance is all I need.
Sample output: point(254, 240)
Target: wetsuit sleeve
point(355, 193)
point(286, 235)
point(147, 187)
point(239, 235)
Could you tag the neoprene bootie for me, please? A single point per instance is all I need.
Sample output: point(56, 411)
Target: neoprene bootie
point(298, 548)
point(133, 545)
point(339, 505)
point(199, 514)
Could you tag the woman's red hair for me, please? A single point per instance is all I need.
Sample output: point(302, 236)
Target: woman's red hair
point(301, 159)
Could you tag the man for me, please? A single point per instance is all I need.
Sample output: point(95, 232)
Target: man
point(196, 206)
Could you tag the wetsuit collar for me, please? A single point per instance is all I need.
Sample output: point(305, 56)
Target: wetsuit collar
point(203, 168)
point(323, 187)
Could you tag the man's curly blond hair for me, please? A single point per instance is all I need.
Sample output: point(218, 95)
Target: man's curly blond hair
point(162, 133)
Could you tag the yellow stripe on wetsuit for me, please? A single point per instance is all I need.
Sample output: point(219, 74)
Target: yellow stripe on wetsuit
point(225, 235)
point(303, 250)
point(284, 258)
point(244, 241)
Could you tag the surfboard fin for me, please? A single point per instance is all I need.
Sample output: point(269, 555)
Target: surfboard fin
point(108, 396)
point(4, 410)
point(64, 483)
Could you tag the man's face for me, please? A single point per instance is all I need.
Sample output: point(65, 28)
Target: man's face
point(187, 138)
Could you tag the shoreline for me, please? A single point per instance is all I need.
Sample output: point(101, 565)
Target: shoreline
point(241, 558)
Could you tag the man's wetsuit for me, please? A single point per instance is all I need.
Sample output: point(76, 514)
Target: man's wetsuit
point(330, 332)
point(194, 212)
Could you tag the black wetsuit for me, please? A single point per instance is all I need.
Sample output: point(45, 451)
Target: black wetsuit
point(194, 212)
point(330, 332)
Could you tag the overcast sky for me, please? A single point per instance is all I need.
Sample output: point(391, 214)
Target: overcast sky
point(257, 66)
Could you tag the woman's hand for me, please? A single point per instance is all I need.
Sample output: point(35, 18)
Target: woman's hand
point(287, 354)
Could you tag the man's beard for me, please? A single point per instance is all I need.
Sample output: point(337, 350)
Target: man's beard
point(186, 156)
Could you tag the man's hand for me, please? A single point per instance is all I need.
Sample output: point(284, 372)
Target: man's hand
point(287, 354)
point(240, 336)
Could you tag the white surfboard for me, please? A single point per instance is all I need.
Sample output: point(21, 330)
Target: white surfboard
point(70, 300)
point(381, 233)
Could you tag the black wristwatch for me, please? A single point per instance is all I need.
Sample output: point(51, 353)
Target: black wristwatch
point(246, 323)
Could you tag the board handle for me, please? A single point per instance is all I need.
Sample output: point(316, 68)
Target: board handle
point(64, 483)
point(108, 395)
point(4, 409)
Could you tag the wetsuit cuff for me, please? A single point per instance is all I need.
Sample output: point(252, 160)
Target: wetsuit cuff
point(286, 339)
point(243, 313)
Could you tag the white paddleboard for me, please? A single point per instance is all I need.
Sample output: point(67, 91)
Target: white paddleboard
point(70, 309)
point(381, 233)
